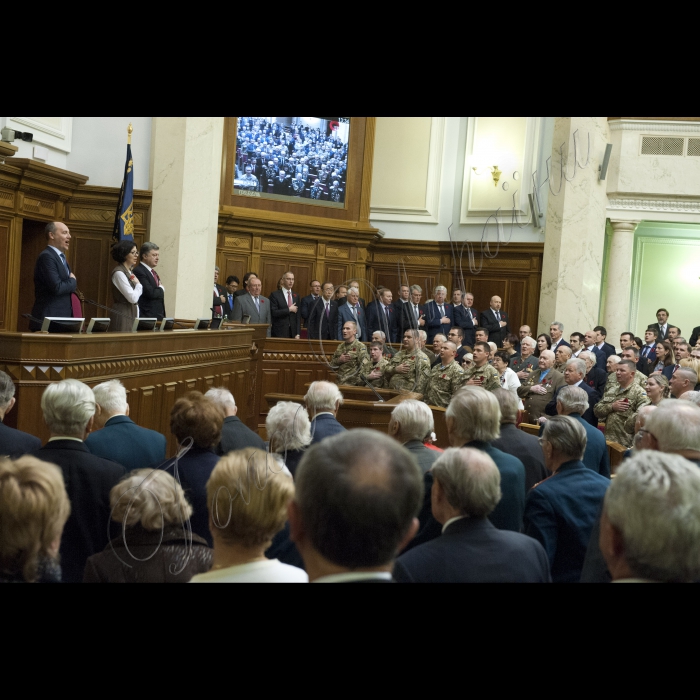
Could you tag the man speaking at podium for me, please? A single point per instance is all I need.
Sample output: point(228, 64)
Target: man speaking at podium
point(53, 280)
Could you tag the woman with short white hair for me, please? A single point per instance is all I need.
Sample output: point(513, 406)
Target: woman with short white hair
point(411, 423)
point(156, 544)
point(289, 433)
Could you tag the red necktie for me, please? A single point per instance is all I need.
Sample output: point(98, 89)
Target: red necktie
point(156, 278)
point(289, 299)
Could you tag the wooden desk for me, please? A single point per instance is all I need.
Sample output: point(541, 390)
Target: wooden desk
point(156, 369)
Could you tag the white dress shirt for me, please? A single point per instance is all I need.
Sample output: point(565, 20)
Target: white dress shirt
point(257, 572)
point(452, 522)
point(131, 294)
point(355, 578)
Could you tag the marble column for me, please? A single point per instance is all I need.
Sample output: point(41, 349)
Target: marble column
point(575, 230)
point(186, 157)
point(618, 287)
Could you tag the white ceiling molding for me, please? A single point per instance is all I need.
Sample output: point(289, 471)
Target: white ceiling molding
point(655, 127)
point(55, 132)
point(430, 214)
point(636, 207)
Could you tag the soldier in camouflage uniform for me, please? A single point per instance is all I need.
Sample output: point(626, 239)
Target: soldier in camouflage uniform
point(446, 378)
point(482, 373)
point(349, 357)
point(537, 391)
point(621, 403)
point(408, 370)
point(374, 366)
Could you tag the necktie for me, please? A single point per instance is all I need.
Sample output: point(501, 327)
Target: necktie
point(442, 311)
point(257, 303)
point(328, 310)
point(65, 262)
point(155, 277)
point(415, 311)
point(230, 301)
point(386, 310)
point(289, 299)
point(498, 316)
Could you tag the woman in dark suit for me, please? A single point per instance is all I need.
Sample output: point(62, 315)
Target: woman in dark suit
point(126, 289)
point(666, 360)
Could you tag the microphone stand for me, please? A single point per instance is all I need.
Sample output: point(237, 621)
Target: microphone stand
point(368, 384)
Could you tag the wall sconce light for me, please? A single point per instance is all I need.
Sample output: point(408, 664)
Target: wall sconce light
point(494, 170)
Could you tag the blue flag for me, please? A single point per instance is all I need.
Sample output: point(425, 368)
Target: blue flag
point(126, 215)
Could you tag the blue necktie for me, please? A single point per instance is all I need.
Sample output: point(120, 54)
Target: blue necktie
point(65, 262)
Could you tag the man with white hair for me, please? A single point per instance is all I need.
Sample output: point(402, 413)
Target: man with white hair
point(423, 343)
point(650, 530)
point(235, 435)
point(683, 381)
point(526, 363)
point(474, 420)
point(323, 401)
point(541, 386)
point(574, 372)
point(353, 312)
point(411, 422)
point(69, 412)
point(595, 378)
point(674, 428)
point(562, 511)
point(556, 333)
point(118, 438)
point(13, 443)
point(466, 490)
point(439, 316)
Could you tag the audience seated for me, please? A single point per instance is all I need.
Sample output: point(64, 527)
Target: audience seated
point(154, 544)
point(466, 491)
point(517, 443)
point(13, 443)
point(289, 432)
point(235, 435)
point(323, 401)
point(69, 411)
point(34, 508)
point(248, 495)
point(650, 530)
point(562, 511)
point(474, 420)
point(355, 509)
point(196, 423)
point(118, 438)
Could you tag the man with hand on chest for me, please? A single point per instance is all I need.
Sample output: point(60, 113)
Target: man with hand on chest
point(284, 309)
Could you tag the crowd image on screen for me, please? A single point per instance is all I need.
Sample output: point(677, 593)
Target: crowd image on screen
point(292, 159)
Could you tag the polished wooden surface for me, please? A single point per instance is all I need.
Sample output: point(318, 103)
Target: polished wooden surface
point(156, 369)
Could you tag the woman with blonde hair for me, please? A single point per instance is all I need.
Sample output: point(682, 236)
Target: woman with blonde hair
point(156, 544)
point(658, 389)
point(34, 509)
point(248, 494)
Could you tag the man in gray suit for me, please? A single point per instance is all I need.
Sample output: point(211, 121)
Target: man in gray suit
point(254, 305)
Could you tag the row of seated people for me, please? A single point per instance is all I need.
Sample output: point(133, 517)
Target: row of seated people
point(326, 187)
point(322, 504)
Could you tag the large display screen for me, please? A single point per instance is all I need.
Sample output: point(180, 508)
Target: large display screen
point(303, 159)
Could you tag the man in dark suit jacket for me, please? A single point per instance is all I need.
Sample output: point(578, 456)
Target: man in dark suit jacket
point(352, 311)
point(152, 301)
point(220, 300)
point(323, 316)
point(574, 374)
point(323, 401)
point(439, 316)
point(471, 549)
point(695, 337)
point(647, 355)
point(591, 346)
point(235, 436)
point(13, 443)
point(561, 512)
point(602, 343)
point(89, 479)
point(464, 319)
point(662, 327)
point(413, 313)
point(496, 322)
point(284, 309)
point(54, 283)
point(382, 316)
point(308, 302)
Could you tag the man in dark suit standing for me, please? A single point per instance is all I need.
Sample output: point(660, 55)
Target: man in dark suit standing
point(284, 309)
point(352, 311)
point(308, 302)
point(220, 302)
point(382, 316)
point(647, 356)
point(235, 435)
point(602, 344)
point(662, 328)
point(69, 411)
point(466, 491)
point(574, 374)
point(323, 316)
point(13, 443)
point(54, 283)
point(152, 301)
point(465, 319)
point(439, 316)
point(496, 321)
point(323, 401)
point(232, 284)
point(118, 438)
point(413, 318)
point(556, 333)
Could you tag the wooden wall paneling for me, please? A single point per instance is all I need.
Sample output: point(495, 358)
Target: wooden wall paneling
point(149, 415)
point(5, 230)
point(169, 395)
point(517, 299)
point(87, 252)
point(336, 274)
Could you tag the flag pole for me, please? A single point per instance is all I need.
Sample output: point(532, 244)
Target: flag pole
point(115, 233)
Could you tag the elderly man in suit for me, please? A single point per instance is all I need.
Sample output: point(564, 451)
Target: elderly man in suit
point(464, 318)
point(439, 316)
point(323, 315)
point(538, 390)
point(353, 311)
point(323, 401)
point(255, 306)
point(465, 492)
point(69, 411)
point(13, 443)
point(235, 435)
point(284, 310)
point(574, 374)
point(118, 438)
point(346, 487)
point(54, 283)
point(414, 312)
point(496, 321)
point(152, 301)
point(562, 511)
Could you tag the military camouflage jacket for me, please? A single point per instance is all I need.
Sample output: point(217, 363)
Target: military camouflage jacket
point(492, 380)
point(347, 373)
point(444, 383)
point(418, 374)
point(617, 424)
point(368, 367)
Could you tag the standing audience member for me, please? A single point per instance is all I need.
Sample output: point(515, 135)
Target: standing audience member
point(354, 510)
point(118, 438)
point(232, 284)
point(595, 378)
point(373, 368)
point(556, 332)
point(126, 288)
point(591, 346)
point(481, 373)
point(650, 531)
point(658, 389)
point(353, 312)
point(194, 418)
point(235, 435)
point(474, 420)
point(544, 344)
point(466, 319)
point(255, 306)
point(382, 316)
point(446, 378)
point(13, 443)
point(350, 356)
point(413, 312)
point(562, 511)
point(34, 508)
point(601, 341)
point(647, 355)
point(496, 322)
point(661, 328)
point(574, 373)
point(439, 315)
point(409, 369)
point(683, 381)
point(665, 360)
point(284, 310)
point(69, 412)
point(562, 355)
point(510, 347)
point(289, 432)
point(509, 379)
point(578, 344)
point(308, 301)
point(154, 545)
point(527, 363)
point(152, 299)
point(518, 443)
point(248, 496)
point(541, 387)
point(323, 401)
point(323, 315)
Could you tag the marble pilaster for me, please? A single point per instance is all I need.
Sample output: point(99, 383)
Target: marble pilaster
point(186, 157)
point(575, 230)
